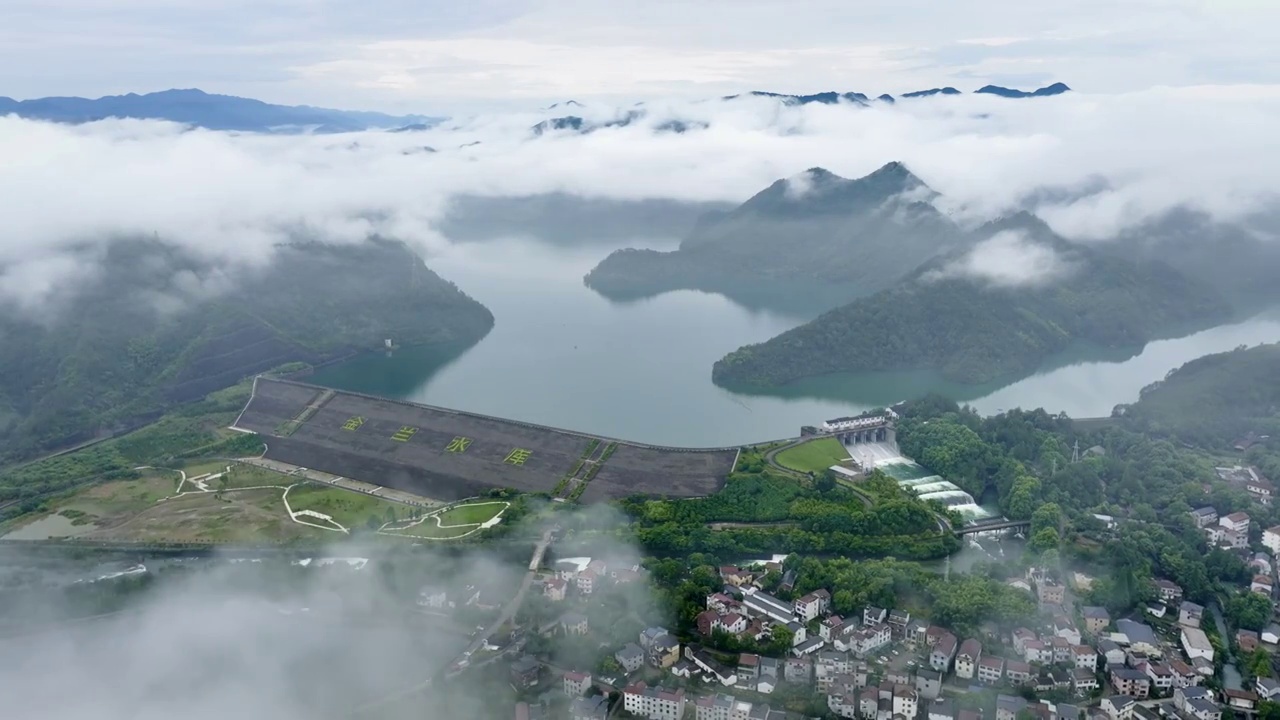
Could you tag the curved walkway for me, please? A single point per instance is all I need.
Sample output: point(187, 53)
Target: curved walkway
point(435, 515)
point(200, 481)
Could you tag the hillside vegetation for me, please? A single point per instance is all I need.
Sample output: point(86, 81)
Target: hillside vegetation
point(973, 331)
point(816, 232)
point(760, 512)
point(1147, 486)
point(156, 327)
point(1213, 401)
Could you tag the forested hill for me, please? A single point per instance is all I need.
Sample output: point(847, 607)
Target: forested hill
point(974, 331)
point(817, 229)
point(156, 326)
point(1215, 400)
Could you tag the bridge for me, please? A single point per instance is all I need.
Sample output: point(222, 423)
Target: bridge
point(988, 527)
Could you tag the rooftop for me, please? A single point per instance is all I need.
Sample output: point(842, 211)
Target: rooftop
point(1124, 672)
point(1136, 632)
point(1196, 639)
point(630, 650)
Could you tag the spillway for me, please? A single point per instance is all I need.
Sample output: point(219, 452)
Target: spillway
point(915, 478)
point(932, 487)
point(950, 498)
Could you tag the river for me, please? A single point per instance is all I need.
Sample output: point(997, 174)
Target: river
point(562, 355)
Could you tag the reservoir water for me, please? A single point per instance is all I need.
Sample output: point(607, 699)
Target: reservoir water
point(562, 355)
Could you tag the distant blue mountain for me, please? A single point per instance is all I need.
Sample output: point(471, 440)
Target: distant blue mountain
point(215, 112)
point(1054, 89)
point(575, 123)
point(579, 125)
point(857, 98)
point(569, 122)
point(413, 127)
point(824, 98)
point(932, 91)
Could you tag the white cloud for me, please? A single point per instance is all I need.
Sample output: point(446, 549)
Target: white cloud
point(230, 197)
point(1006, 259)
point(799, 185)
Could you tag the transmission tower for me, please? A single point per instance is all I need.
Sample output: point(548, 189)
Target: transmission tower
point(1075, 452)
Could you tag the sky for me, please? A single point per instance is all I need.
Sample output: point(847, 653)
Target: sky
point(446, 57)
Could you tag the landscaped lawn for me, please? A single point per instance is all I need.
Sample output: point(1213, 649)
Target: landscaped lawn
point(472, 514)
point(352, 509)
point(244, 475)
point(813, 456)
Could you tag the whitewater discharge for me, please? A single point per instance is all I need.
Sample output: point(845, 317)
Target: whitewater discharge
point(912, 476)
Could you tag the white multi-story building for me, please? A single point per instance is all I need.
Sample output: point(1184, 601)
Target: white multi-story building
point(827, 666)
point(1161, 677)
point(721, 707)
point(905, 701)
point(1196, 644)
point(576, 683)
point(991, 669)
point(812, 605)
point(733, 623)
point(967, 658)
point(942, 653)
point(655, 703)
point(1085, 657)
point(868, 639)
point(1271, 539)
point(1236, 521)
point(1118, 707)
point(1037, 651)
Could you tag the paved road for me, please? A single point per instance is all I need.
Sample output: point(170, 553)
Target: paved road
point(508, 612)
point(513, 606)
point(1231, 678)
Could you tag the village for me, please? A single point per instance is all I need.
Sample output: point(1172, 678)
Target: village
point(1165, 659)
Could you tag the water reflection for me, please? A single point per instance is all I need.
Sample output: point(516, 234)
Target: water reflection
point(562, 355)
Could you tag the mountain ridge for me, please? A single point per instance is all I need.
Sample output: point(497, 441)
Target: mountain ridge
point(196, 107)
point(154, 328)
point(577, 123)
point(948, 316)
point(843, 238)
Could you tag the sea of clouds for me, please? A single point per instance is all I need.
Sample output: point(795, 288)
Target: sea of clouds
point(1090, 165)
